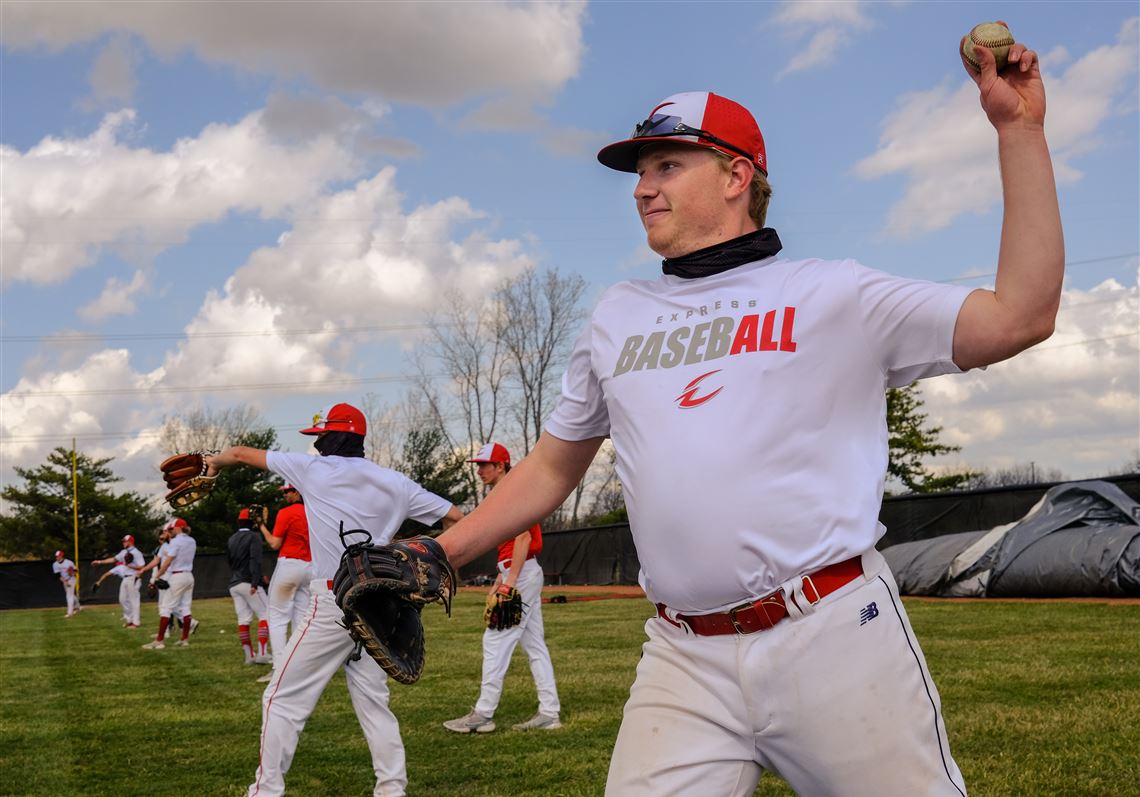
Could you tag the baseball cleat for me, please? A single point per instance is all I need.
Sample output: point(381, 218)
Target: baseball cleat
point(539, 722)
point(262, 660)
point(266, 678)
point(155, 645)
point(182, 643)
point(193, 625)
point(471, 723)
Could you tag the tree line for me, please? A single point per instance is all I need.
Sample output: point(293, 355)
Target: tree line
point(487, 369)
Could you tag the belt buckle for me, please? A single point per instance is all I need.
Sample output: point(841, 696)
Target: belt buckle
point(809, 583)
point(736, 626)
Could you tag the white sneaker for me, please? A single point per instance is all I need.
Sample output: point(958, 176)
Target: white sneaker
point(266, 678)
point(471, 723)
point(155, 645)
point(193, 626)
point(539, 722)
point(262, 659)
point(182, 643)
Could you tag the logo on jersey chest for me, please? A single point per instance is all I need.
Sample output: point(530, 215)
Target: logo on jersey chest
point(709, 340)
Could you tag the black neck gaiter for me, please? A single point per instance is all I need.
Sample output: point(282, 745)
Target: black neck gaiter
point(340, 444)
point(748, 248)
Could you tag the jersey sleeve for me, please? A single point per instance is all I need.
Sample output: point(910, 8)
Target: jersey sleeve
point(424, 506)
point(290, 466)
point(581, 411)
point(909, 323)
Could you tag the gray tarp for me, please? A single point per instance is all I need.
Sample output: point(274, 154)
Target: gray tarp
point(1081, 539)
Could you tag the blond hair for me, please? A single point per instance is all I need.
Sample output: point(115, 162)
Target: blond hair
point(760, 191)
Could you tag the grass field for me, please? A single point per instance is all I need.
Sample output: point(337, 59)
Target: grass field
point(1040, 699)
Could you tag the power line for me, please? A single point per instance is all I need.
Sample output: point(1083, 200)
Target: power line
point(1067, 265)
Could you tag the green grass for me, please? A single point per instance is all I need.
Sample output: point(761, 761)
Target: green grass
point(1039, 698)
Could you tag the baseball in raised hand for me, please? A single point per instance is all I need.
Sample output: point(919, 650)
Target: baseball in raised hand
point(1014, 95)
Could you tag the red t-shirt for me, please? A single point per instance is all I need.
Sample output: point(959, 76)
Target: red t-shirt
point(292, 526)
point(507, 549)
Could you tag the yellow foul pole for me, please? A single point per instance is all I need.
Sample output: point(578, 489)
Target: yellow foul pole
point(75, 511)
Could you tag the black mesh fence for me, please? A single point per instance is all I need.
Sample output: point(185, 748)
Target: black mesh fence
point(600, 555)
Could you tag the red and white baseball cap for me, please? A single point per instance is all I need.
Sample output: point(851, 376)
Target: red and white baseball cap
point(128, 540)
point(244, 514)
point(59, 554)
point(492, 452)
point(338, 418)
point(178, 523)
point(288, 488)
point(700, 118)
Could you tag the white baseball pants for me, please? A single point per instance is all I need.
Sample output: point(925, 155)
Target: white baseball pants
point(72, 598)
point(181, 595)
point(129, 599)
point(288, 601)
point(837, 700)
point(316, 650)
point(498, 646)
point(247, 605)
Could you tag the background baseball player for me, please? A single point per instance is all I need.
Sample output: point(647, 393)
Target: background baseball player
point(342, 490)
point(127, 562)
point(744, 395)
point(289, 587)
point(244, 552)
point(152, 567)
point(518, 569)
point(176, 570)
point(65, 571)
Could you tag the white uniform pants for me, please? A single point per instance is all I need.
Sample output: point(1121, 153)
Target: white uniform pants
point(129, 599)
point(181, 594)
point(288, 601)
point(247, 605)
point(72, 598)
point(837, 701)
point(499, 645)
point(316, 650)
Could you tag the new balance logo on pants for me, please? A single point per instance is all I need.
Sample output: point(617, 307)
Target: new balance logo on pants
point(868, 613)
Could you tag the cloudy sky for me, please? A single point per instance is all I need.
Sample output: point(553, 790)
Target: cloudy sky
point(211, 203)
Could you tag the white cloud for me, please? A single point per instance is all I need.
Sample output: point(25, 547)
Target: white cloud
point(354, 258)
point(424, 53)
point(117, 298)
point(1071, 403)
point(112, 75)
point(827, 26)
point(66, 199)
point(941, 141)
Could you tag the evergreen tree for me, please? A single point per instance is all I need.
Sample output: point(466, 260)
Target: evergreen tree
point(41, 518)
point(911, 441)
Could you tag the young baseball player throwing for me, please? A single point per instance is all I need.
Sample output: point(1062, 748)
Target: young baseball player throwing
point(744, 393)
point(343, 492)
point(127, 563)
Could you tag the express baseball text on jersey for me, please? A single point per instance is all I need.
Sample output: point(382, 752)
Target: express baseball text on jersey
point(708, 340)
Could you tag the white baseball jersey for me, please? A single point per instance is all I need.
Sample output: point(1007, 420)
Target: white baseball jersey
point(64, 569)
point(356, 492)
point(748, 413)
point(137, 559)
point(182, 549)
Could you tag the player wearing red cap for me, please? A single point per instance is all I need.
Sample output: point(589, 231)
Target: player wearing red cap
point(127, 563)
point(243, 549)
point(744, 393)
point(289, 587)
point(343, 492)
point(64, 570)
point(176, 570)
point(518, 569)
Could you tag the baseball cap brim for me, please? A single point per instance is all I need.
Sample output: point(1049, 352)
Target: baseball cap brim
point(622, 155)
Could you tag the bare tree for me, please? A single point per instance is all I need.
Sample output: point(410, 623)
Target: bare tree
point(1022, 473)
point(537, 317)
point(208, 429)
point(465, 345)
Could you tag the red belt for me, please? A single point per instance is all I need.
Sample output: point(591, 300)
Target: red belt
point(763, 613)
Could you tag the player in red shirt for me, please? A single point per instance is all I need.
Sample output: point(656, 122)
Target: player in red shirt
point(289, 587)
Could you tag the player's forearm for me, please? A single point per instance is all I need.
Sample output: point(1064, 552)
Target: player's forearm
point(530, 492)
point(238, 455)
point(1031, 261)
point(518, 559)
